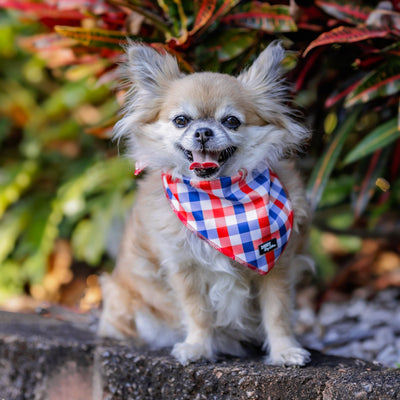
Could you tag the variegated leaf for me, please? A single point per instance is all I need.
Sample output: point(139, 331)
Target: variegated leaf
point(275, 18)
point(350, 12)
point(346, 34)
point(96, 37)
point(385, 81)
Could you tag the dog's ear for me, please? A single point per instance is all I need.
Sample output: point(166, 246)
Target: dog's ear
point(266, 71)
point(149, 70)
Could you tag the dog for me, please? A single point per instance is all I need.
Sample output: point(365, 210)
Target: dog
point(182, 279)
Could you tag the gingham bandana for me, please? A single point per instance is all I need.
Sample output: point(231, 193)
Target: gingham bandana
point(247, 217)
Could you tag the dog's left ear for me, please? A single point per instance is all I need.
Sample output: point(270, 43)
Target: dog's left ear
point(266, 70)
point(150, 71)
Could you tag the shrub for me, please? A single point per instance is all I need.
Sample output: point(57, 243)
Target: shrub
point(62, 180)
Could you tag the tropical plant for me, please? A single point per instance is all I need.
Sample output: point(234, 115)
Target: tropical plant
point(56, 182)
point(361, 97)
point(68, 184)
point(345, 66)
point(351, 69)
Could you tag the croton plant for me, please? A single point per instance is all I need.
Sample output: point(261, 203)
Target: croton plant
point(344, 64)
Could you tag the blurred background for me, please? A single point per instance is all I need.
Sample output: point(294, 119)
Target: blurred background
point(65, 186)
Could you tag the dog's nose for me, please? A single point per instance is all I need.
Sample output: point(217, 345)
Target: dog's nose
point(203, 134)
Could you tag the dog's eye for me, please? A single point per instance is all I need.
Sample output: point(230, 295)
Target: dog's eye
point(181, 121)
point(231, 122)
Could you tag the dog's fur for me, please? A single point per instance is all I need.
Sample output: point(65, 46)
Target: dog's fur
point(169, 287)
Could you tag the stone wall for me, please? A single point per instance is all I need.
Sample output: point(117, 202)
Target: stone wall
point(48, 359)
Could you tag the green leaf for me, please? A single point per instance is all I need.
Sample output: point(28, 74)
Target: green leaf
point(171, 13)
point(375, 140)
point(30, 238)
point(38, 241)
point(34, 267)
point(71, 95)
point(385, 81)
point(337, 190)
point(18, 179)
point(368, 172)
point(326, 267)
point(11, 280)
point(11, 227)
point(86, 243)
point(230, 44)
point(183, 19)
point(90, 236)
point(322, 171)
point(264, 17)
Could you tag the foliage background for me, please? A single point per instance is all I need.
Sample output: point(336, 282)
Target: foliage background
point(65, 190)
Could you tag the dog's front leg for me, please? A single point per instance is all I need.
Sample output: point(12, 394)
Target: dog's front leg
point(190, 290)
point(276, 306)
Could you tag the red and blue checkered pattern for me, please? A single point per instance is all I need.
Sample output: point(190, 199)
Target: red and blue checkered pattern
point(247, 217)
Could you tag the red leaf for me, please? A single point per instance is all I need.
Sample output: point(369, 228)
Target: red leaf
point(268, 22)
point(369, 61)
point(345, 34)
point(395, 166)
point(206, 10)
point(94, 6)
point(374, 88)
point(42, 11)
point(345, 11)
point(304, 70)
point(331, 100)
point(225, 7)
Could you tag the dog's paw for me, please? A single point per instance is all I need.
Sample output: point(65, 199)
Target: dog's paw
point(289, 356)
point(186, 353)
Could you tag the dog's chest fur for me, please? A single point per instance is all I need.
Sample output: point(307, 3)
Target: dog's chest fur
point(229, 289)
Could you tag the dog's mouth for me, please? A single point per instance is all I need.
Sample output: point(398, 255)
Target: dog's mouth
point(206, 163)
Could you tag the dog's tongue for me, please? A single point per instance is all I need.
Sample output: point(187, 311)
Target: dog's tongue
point(204, 160)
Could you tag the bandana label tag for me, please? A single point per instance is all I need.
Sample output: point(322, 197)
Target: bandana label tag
point(268, 246)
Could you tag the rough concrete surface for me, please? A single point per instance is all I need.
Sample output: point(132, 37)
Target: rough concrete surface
point(49, 359)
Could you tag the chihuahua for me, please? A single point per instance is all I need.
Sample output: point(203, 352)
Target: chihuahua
point(215, 241)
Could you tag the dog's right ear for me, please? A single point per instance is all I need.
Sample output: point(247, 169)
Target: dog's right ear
point(149, 70)
point(264, 76)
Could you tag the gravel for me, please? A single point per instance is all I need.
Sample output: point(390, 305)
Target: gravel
point(364, 327)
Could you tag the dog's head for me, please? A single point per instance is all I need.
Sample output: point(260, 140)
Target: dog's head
point(206, 125)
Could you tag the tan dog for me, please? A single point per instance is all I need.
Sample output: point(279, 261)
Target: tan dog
point(170, 287)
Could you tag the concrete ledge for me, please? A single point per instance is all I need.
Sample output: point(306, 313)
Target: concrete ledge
point(43, 358)
point(47, 359)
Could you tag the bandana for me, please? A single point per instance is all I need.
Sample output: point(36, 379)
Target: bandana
point(247, 217)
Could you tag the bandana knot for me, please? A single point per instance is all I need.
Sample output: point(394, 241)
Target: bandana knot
point(247, 217)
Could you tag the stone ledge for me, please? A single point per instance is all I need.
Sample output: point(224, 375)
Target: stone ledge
point(47, 359)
